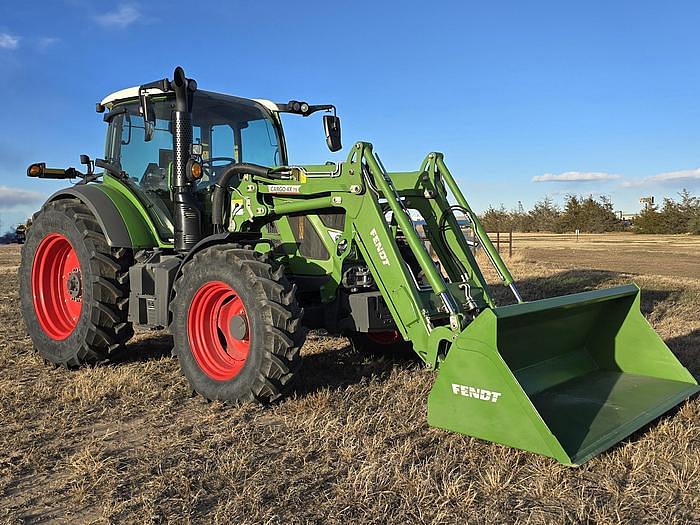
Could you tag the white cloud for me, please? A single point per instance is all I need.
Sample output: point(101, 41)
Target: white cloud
point(575, 176)
point(11, 197)
point(670, 177)
point(122, 17)
point(8, 41)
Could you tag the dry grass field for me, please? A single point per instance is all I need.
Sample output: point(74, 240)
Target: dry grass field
point(668, 255)
point(128, 443)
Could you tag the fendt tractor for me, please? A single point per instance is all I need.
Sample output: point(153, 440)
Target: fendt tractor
point(196, 222)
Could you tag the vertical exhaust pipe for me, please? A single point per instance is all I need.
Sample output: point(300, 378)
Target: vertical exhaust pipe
point(187, 215)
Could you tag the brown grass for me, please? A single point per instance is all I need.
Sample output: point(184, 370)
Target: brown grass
point(128, 442)
point(670, 255)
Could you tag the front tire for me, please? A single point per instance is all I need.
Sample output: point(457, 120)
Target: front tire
point(74, 288)
point(236, 325)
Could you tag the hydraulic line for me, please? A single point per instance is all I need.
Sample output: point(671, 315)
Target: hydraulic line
point(402, 217)
point(490, 250)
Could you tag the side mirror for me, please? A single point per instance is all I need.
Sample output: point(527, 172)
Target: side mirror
point(85, 159)
point(149, 116)
point(331, 125)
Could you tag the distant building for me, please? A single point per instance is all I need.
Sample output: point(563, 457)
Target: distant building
point(646, 202)
point(626, 216)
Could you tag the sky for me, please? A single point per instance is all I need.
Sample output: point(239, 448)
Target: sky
point(525, 99)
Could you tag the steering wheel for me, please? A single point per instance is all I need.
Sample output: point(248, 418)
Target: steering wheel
point(207, 165)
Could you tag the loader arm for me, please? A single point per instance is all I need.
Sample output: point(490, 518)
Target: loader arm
point(430, 301)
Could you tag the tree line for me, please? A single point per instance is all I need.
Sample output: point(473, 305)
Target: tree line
point(596, 215)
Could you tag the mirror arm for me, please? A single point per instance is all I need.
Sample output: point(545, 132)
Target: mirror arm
point(287, 108)
point(321, 107)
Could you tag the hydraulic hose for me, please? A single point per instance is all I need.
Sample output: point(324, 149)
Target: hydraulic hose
point(488, 246)
point(221, 187)
point(442, 225)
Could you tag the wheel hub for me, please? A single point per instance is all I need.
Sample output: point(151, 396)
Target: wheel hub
point(74, 284)
point(238, 327)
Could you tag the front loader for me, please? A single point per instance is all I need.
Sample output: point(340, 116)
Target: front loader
point(198, 223)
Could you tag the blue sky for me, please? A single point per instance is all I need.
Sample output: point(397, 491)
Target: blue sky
point(526, 99)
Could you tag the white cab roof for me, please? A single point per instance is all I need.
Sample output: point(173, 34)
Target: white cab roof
point(133, 92)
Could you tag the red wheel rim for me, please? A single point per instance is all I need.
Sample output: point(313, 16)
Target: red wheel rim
point(219, 352)
point(57, 289)
point(384, 338)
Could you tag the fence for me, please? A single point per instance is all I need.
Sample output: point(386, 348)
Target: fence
point(498, 243)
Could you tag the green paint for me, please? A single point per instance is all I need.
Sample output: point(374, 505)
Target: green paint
point(566, 377)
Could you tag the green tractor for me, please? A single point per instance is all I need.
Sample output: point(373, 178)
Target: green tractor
point(198, 223)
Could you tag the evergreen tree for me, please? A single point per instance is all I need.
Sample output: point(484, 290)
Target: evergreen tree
point(496, 219)
point(545, 216)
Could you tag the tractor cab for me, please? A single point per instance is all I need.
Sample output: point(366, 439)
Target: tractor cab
point(226, 130)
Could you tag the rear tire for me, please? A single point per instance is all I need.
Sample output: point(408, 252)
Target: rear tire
point(236, 325)
point(74, 288)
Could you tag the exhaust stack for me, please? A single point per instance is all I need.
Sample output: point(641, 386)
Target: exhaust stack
point(187, 215)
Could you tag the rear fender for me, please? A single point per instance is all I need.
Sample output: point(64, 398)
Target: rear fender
point(122, 224)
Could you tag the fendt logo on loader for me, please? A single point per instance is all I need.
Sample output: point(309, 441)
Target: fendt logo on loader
point(476, 393)
point(379, 247)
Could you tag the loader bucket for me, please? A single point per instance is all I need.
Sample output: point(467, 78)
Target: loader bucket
point(566, 377)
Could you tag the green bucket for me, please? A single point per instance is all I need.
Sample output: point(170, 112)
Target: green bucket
point(566, 377)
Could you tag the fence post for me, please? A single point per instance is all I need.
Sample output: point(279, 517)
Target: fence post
point(510, 244)
point(498, 242)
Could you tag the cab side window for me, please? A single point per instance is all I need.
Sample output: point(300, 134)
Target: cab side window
point(260, 143)
point(146, 163)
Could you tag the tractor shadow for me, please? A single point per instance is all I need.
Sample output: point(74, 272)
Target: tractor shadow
point(687, 350)
point(147, 345)
point(340, 367)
